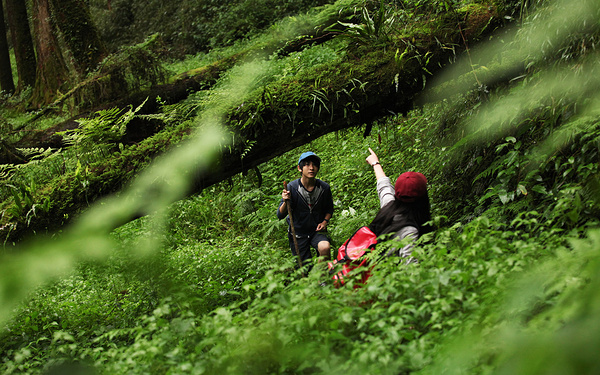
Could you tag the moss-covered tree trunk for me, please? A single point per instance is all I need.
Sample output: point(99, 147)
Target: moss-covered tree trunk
point(6, 81)
point(52, 72)
point(74, 21)
point(18, 23)
point(369, 83)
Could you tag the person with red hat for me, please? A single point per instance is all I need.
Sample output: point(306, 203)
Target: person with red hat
point(404, 207)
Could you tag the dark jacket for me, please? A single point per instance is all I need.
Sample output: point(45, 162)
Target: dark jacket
point(307, 218)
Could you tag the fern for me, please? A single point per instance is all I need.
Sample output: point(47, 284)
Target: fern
point(6, 171)
point(37, 153)
point(106, 128)
point(248, 145)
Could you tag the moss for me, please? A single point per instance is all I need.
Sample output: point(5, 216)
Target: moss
point(209, 73)
point(65, 192)
point(478, 18)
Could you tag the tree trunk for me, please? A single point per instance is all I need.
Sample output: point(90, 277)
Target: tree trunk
point(52, 73)
point(6, 80)
point(18, 22)
point(74, 21)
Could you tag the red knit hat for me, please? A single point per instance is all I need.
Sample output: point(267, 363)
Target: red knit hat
point(410, 186)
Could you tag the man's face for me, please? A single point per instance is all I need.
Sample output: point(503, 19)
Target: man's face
point(309, 170)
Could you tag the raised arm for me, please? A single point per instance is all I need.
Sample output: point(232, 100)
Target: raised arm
point(385, 190)
point(373, 160)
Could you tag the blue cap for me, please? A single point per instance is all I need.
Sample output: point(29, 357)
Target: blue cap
point(308, 154)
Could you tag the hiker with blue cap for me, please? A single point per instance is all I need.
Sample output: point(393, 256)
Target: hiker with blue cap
point(310, 203)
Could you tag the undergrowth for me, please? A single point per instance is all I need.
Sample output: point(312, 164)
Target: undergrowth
point(223, 296)
point(506, 283)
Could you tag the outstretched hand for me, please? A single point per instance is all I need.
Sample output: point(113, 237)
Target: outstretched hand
point(371, 159)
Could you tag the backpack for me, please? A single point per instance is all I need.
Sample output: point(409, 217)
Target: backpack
point(351, 255)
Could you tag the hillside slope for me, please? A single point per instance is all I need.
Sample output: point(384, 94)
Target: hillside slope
point(507, 283)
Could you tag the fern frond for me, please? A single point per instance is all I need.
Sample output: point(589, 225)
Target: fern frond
point(37, 153)
point(6, 171)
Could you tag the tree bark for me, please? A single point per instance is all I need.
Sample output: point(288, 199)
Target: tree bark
point(74, 21)
point(18, 23)
point(52, 72)
point(6, 80)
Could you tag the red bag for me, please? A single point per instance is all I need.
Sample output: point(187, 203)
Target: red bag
point(351, 255)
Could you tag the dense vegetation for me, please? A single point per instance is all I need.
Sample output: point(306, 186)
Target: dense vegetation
point(507, 283)
point(190, 26)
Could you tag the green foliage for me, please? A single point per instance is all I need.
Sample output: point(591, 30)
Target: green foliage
point(191, 26)
point(129, 70)
point(90, 146)
point(106, 128)
point(374, 28)
point(24, 203)
point(536, 329)
point(507, 283)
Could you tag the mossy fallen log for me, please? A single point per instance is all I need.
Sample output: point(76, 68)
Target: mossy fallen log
point(374, 80)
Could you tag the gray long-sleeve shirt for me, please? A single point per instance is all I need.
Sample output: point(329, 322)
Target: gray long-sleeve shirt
point(386, 193)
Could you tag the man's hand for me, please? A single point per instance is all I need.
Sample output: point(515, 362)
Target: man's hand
point(285, 195)
point(322, 225)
